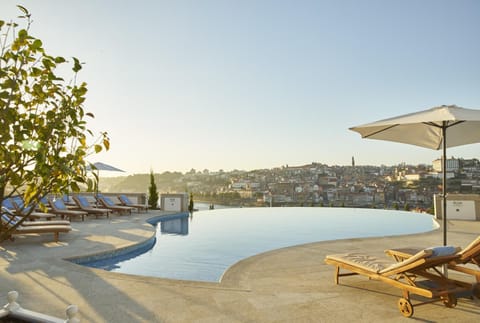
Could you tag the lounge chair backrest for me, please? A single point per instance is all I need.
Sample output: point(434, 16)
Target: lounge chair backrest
point(8, 220)
point(425, 253)
point(44, 200)
point(125, 200)
point(83, 201)
point(18, 200)
point(108, 201)
point(471, 252)
point(58, 204)
point(8, 204)
point(430, 254)
point(20, 204)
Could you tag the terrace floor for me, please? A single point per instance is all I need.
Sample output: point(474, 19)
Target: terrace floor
point(286, 285)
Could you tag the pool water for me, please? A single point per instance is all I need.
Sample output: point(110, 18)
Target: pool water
point(202, 246)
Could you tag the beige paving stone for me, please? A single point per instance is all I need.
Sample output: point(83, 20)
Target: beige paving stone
point(286, 285)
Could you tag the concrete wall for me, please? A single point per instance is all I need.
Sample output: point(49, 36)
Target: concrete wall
point(459, 207)
point(174, 202)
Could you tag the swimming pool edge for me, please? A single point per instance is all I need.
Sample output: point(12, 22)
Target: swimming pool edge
point(137, 247)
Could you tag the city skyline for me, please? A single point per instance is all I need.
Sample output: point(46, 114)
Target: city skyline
point(252, 85)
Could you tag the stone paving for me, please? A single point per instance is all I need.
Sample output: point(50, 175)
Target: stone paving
point(285, 285)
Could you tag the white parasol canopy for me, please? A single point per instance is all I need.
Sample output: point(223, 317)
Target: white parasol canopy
point(102, 166)
point(436, 128)
point(99, 166)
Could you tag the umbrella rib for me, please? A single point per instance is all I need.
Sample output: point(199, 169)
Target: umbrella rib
point(443, 125)
point(433, 124)
point(379, 131)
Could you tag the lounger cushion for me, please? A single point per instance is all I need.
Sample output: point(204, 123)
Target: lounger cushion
point(443, 251)
point(58, 203)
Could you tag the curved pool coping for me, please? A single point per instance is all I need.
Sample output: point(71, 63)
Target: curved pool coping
point(128, 251)
point(136, 249)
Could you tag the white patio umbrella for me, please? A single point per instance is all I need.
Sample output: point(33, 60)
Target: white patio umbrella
point(436, 128)
point(99, 166)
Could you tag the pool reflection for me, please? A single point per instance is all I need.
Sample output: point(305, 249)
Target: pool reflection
point(177, 225)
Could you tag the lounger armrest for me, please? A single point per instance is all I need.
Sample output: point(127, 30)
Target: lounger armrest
point(402, 253)
point(407, 263)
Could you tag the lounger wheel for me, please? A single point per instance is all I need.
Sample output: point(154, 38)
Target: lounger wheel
point(405, 307)
point(450, 300)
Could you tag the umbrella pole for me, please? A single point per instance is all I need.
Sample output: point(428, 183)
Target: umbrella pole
point(444, 182)
point(96, 193)
point(444, 190)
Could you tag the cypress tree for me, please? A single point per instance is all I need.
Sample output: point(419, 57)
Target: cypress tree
point(152, 193)
point(190, 205)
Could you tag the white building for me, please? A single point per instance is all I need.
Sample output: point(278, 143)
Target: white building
point(453, 165)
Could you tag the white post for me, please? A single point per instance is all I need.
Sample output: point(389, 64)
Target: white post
point(72, 311)
point(12, 305)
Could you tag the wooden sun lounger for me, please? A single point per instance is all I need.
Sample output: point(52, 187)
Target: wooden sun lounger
point(17, 205)
point(84, 205)
point(38, 229)
point(10, 217)
point(108, 204)
point(124, 200)
point(414, 275)
point(468, 255)
point(59, 207)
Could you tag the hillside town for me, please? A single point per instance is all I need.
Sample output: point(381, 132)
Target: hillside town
point(401, 186)
point(398, 187)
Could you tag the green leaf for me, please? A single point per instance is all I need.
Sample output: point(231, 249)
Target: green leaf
point(98, 148)
point(22, 34)
point(30, 145)
point(23, 9)
point(76, 66)
point(48, 64)
point(74, 187)
point(37, 43)
point(60, 60)
point(106, 143)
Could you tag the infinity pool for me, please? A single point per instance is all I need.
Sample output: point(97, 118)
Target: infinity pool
point(201, 247)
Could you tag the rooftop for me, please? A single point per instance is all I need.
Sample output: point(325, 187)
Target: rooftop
point(284, 285)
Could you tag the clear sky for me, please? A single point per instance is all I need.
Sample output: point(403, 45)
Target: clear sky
point(249, 84)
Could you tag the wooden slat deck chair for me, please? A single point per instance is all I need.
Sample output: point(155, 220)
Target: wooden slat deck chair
point(124, 200)
point(468, 261)
point(107, 203)
point(417, 274)
point(84, 205)
point(59, 207)
point(17, 204)
point(9, 216)
point(8, 223)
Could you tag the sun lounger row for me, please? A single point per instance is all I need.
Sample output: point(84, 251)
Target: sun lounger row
point(16, 203)
point(415, 271)
point(10, 221)
point(14, 211)
point(58, 206)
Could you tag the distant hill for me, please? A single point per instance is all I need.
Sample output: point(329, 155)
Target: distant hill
point(139, 183)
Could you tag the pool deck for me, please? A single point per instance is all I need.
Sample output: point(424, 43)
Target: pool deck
point(286, 285)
